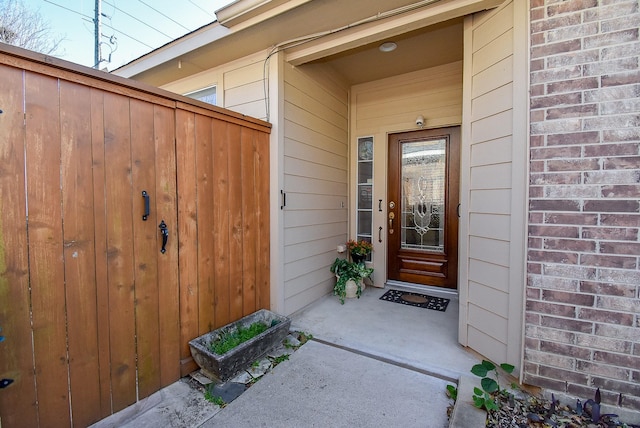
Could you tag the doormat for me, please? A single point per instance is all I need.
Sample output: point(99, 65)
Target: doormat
point(416, 299)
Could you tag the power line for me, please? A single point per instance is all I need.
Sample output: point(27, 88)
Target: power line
point(140, 21)
point(70, 10)
point(166, 16)
point(198, 6)
point(127, 35)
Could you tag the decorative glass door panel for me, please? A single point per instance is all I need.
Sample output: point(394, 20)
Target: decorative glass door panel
point(422, 221)
point(364, 201)
point(423, 184)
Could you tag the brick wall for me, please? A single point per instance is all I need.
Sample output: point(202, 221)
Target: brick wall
point(583, 302)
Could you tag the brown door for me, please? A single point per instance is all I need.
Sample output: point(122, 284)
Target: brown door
point(422, 218)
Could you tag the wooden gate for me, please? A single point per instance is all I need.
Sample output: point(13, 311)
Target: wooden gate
point(93, 314)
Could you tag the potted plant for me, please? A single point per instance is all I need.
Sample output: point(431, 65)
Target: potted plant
point(359, 250)
point(350, 276)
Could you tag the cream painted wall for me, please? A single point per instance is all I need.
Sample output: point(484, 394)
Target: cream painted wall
point(315, 182)
point(391, 105)
point(493, 185)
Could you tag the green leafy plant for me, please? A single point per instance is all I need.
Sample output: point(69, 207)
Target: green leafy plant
point(483, 397)
point(232, 338)
point(215, 399)
point(281, 358)
point(345, 271)
point(452, 392)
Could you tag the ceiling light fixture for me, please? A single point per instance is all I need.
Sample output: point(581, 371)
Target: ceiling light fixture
point(388, 47)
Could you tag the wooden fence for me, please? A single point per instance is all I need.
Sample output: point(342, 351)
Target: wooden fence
point(94, 316)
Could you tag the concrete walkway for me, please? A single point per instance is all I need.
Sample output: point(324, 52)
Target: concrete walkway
point(372, 363)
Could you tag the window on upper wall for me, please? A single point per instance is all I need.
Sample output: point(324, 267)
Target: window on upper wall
point(207, 95)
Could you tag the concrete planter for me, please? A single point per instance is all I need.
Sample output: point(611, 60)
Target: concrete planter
point(352, 288)
point(224, 367)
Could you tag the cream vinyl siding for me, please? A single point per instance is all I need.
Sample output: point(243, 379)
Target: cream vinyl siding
point(240, 85)
point(391, 105)
point(315, 171)
point(493, 188)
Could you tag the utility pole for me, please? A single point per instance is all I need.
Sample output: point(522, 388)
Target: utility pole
point(97, 34)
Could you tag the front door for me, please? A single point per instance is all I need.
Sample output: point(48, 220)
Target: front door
point(422, 218)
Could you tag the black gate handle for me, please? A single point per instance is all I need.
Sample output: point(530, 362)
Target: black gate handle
point(145, 195)
point(164, 230)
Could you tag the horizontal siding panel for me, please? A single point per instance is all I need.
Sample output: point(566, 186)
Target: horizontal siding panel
point(304, 282)
point(308, 120)
point(436, 98)
point(310, 264)
point(450, 115)
point(302, 168)
point(490, 30)
point(297, 235)
point(485, 57)
point(496, 176)
point(489, 274)
point(486, 345)
point(490, 103)
point(298, 150)
point(490, 226)
point(305, 201)
point(296, 252)
point(249, 73)
point(305, 102)
point(490, 201)
point(244, 94)
point(300, 300)
point(328, 97)
point(492, 151)
point(496, 76)
point(489, 250)
point(492, 324)
point(313, 186)
point(492, 127)
point(255, 109)
point(296, 132)
point(489, 299)
point(306, 218)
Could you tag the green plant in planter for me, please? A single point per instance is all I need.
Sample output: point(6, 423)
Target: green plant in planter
point(345, 271)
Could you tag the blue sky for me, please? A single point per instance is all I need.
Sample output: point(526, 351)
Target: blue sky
point(130, 28)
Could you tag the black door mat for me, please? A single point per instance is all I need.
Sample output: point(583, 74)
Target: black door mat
point(416, 299)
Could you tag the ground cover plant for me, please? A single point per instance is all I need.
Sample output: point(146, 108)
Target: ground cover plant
point(230, 339)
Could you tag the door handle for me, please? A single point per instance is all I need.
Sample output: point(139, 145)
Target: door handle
point(145, 195)
point(380, 234)
point(164, 230)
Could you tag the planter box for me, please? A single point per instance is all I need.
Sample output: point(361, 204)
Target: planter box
point(224, 367)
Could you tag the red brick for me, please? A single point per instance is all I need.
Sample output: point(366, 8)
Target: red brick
point(569, 6)
point(610, 234)
point(564, 178)
point(556, 152)
point(617, 331)
point(620, 248)
point(536, 166)
point(534, 268)
point(630, 402)
point(620, 220)
point(590, 137)
point(578, 57)
point(618, 387)
point(557, 22)
point(569, 271)
point(578, 326)
point(536, 116)
point(616, 8)
point(535, 243)
point(566, 375)
point(572, 85)
point(610, 344)
point(553, 205)
point(608, 68)
point(619, 107)
point(570, 245)
point(611, 38)
point(613, 93)
point(573, 111)
point(622, 191)
point(606, 289)
point(611, 205)
point(536, 64)
point(617, 262)
point(611, 150)
point(556, 100)
point(608, 317)
point(625, 78)
point(616, 359)
point(611, 122)
point(630, 305)
point(573, 165)
point(570, 298)
point(543, 382)
point(536, 91)
point(553, 257)
point(580, 219)
point(536, 218)
point(556, 74)
point(564, 349)
point(620, 51)
point(554, 231)
point(582, 392)
point(630, 162)
point(551, 309)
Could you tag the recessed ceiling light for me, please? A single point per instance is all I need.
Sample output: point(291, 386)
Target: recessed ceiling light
point(388, 47)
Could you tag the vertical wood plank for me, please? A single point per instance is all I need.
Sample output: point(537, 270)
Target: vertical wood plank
point(100, 228)
point(235, 222)
point(204, 174)
point(46, 267)
point(145, 248)
point(249, 220)
point(18, 400)
point(187, 234)
point(263, 249)
point(79, 256)
point(166, 207)
point(221, 222)
point(120, 251)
